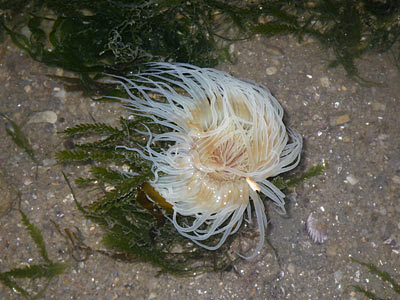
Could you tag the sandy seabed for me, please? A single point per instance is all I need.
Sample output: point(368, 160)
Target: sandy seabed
point(352, 128)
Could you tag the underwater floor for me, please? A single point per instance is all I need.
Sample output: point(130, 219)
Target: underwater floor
point(353, 129)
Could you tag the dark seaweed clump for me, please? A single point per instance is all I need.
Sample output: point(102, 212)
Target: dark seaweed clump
point(91, 37)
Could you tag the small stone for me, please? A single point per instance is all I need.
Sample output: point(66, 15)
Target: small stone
point(276, 62)
point(28, 181)
point(47, 116)
point(177, 249)
point(274, 51)
point(325, 82)
point(339, 120)
point(311, 4)
point(377, 106)
point(346, 139)
point(396, 179)
point(316, 117)
point(59, 72)
point(338, 275)
point(231, 48)
point(383, 211)
point(352, 179)
point(308, 123)
point(152, 295)
point(331, 251)
point(291, 268)
point(383, 137)
point(59, 93)
point(28, 88)
point(48, 162)
point(271, 70)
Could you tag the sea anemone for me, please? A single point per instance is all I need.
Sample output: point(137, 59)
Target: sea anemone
point(226, 138)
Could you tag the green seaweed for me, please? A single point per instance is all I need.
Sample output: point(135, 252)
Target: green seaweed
point(288, 182)
point(95, 37)
point(348, 27)
point(133, 233)
point(47, 270)
point(384, 276)
point(18, 137)
point(36, 236)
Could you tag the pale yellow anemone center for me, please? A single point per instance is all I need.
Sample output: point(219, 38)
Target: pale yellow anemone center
point(228, 144)
point(221, 155)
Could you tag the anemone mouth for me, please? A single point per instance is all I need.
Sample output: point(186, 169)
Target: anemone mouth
point(221, 157)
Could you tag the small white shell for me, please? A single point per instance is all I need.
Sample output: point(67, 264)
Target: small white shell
point(316, 229)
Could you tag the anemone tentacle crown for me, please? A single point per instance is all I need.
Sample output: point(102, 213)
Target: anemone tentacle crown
point(226, 139)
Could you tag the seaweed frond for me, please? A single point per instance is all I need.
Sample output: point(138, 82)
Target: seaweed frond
point(18, 137)
point(384, 276)
point(91, 128)
point(36, 236)
point(47, 270)
point(291, 181)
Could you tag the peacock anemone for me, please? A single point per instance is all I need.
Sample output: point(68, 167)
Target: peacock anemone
point(226, 137)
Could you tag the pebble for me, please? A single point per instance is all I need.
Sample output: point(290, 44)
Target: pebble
point(338, 275)
point(383, 211)
point(276, 62)
point(271, 70)
point(291, 268)
point(325, 82)
point(352, 179)
point(49, 162)
point(396, 179)
point(59, 72)
point(383, 137)
point(28, 88)
point(316, 117)
point(231, 49)
point(59, 93)
point(28, 181)
point(152, 295)
point(377, 106)
point(274, 51)
point(46, 116)
point(331, 251)
point(339, 120)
